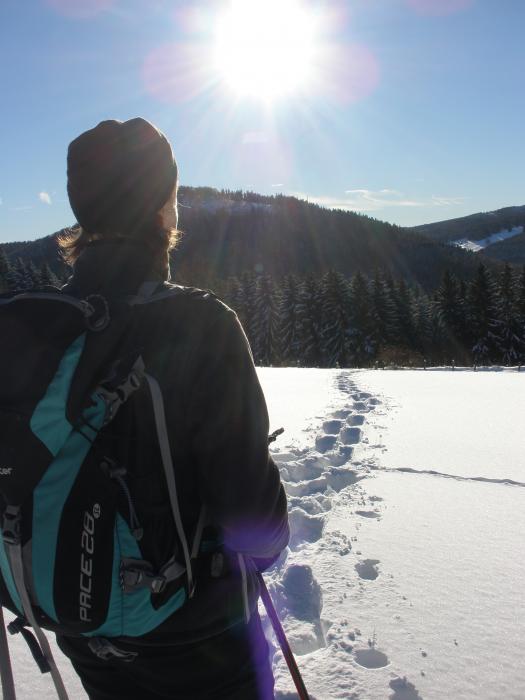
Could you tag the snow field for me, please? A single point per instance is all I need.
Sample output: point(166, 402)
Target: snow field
point(406, 582)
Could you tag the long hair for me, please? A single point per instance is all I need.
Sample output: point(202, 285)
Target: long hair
point(158, 239)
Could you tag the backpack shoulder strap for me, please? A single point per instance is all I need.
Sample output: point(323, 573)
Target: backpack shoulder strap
point(165, 450)
point(6, 671)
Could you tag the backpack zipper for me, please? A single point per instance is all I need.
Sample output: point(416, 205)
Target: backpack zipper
point(116, 472)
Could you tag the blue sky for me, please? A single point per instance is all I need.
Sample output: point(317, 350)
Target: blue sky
point(417, 114)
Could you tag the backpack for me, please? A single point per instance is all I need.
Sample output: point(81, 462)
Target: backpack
point(74, 557)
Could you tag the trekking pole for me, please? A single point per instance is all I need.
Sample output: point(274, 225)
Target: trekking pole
point(283, 642)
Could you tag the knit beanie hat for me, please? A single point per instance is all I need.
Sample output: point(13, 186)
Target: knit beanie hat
point(119, 175)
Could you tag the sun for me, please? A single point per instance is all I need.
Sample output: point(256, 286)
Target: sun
point(265, 48)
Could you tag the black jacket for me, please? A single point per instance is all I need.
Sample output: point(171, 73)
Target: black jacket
point(195, 347)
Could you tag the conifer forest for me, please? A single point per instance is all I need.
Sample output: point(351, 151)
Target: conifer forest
point(363, 322)
point(360, 321)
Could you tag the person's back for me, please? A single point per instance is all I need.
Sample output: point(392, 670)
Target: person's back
point(122, 183)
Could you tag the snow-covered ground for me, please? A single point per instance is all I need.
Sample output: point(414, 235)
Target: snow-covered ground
point(476, 246)
point(404, 579)
point(404, 576)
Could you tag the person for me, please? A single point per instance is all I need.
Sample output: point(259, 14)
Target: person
point(122, 187)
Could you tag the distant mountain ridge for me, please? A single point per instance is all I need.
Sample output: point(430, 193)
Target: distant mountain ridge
point(226, 233)
point(498, 234)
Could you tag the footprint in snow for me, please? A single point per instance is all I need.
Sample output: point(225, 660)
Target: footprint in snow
point(336, 541)
point(307, 488)
point(355, 420)
point(350, 436)
point(361, 395)
point(332, 427)
point(367, 569)
point(301, 594)
point(339, 479)
point(341, 456)
point(342, 413)
point(323, 443)
point(371, 658)
point(368, 513)
point(304, 527)
point(361, 406)
point(302, 597)
point(313, 505)
point(304, 471)
point(403, 690)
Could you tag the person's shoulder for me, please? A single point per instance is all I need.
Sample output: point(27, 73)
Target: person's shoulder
point(200, 303)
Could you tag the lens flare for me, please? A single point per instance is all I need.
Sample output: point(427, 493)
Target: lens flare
point(175, 73)
point(352, 73)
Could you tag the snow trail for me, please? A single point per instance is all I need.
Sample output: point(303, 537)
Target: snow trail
point(317, 479)
point(419, 578)
point(456, 477)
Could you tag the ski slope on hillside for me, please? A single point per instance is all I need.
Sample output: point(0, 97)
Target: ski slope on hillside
point(403, 579)
point(476, 246)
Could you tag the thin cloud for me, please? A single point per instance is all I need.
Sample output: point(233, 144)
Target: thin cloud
point(365, 200)
point(44, 197)
point(21, 208)
point(375, 200)
point(1, 201)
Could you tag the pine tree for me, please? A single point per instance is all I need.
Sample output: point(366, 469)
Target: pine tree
point(309, 315)
point(33, 275)
point(288, 321)
point(424, 328)
point(482, 316)
point(363, 338)
point(508, 329)
point(5, 269)
point(403, 300)
point(383, 310)
point(450, 305)
point(245, 303)
point(265, 322)
point(335, 324)
point(48, 277)
point(18, 278)
point(520, 311)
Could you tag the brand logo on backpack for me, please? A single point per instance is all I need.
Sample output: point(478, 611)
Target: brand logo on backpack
point(87, 549)
point(6, 471)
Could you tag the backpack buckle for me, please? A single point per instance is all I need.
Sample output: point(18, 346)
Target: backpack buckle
point(11, 526)
point(137, 573)
point(105, 650)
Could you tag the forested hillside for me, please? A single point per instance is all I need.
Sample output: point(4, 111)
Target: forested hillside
point(230, 233)
point(324, 288)
point(480, 226)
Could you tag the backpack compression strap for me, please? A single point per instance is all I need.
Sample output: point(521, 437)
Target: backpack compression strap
point(13, 547)
point(6, 672)
point(162, 434)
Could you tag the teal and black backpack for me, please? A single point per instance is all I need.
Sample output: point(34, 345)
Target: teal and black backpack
point(75, 557)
